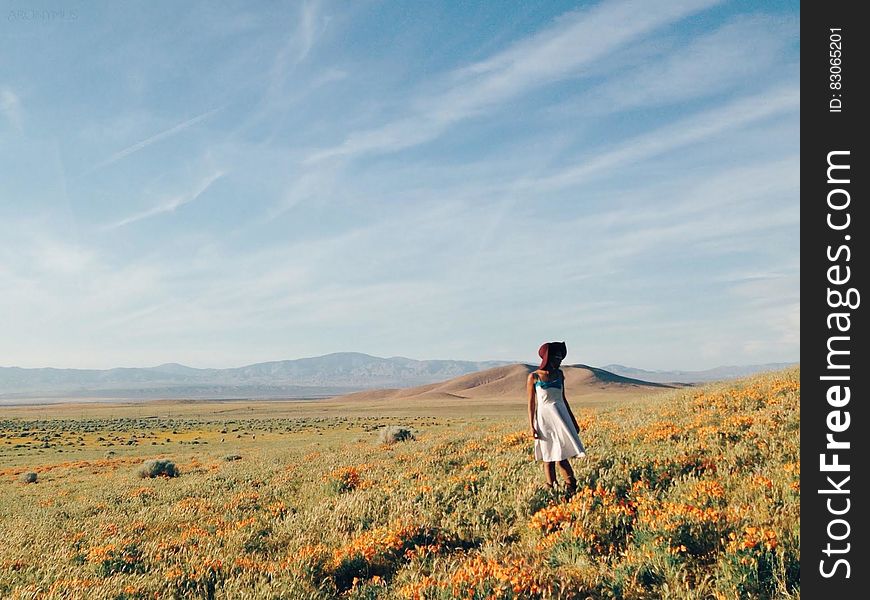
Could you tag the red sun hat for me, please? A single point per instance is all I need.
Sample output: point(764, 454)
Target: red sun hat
point(545, 349)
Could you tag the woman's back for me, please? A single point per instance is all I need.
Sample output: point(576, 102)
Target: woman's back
point(548, 386)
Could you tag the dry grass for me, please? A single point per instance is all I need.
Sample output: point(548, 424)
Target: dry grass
point(690, 494)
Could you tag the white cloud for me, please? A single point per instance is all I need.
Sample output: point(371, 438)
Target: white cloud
point(152, 140)
point(172, 203)
point(734, 115)
point(562, 50)
point(310, 25)
point(369, 258)
point(744, 48)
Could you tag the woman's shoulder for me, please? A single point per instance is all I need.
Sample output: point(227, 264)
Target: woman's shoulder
point(538, 375)
point(542, 375)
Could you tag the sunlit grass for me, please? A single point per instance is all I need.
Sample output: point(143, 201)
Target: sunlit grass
point(693, 494)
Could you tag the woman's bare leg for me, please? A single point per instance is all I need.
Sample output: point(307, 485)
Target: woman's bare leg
point(550, 472)
point(568, 475)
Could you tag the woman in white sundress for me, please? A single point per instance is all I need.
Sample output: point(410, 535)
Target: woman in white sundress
point(552, 423)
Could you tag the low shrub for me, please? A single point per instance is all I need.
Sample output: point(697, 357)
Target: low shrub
point(393, 434)
point(158, 467)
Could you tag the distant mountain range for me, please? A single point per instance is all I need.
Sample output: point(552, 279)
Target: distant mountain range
point(319, 376)
point(316, 377)
point(716, 374)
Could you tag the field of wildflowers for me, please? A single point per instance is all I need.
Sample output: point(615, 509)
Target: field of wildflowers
point(691, 494)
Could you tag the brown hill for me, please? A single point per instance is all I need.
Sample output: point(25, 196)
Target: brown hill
point(509, 383)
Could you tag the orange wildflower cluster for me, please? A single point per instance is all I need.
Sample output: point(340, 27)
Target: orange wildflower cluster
point(503, 578)
point(349, 478)
point(586, 421)
point(762, 481)
point(422, 550)
point(191, 465)
point(205, 569)
point(417, 590)
point(308, 554)
point(309, 560)
point(476, 465)
point(696, 529)
point(278, 509)
point(243, 523)
point(660, 431)
point(164, 550)
point(141, 492)
point(704, 401)
point(753, 538)
point(472, 447)
point(740, 422)
point(729, 399)
point(378, 542)
point(794, 469)
point(101, 553)
point(193, 505)
point(601, 502)
point(706, 489)
point(552, 518)
point(244, 563)
point(548, 541)
point(123, 557)
point(243, 501)
point(517, 438)
point(508, 576)
point(707, 432)
point(467, 481)
point(137, 526)
point(75, 537)
point(784, 386)
point(193, 532)
point(667, 516)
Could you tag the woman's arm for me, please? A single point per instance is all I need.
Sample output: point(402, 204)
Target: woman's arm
point(530, 390)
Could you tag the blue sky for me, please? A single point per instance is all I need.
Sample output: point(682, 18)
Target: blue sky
point(221, 183)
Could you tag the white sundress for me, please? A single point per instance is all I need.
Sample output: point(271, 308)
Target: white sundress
point(557, 438)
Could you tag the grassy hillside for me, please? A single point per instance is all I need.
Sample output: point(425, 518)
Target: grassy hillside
point(694, 493)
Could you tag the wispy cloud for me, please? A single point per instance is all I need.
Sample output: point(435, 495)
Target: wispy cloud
point(10, 107)
point(310, 24)
point(562, 50)
point(709, 64)
point(652, 145)
point(698, 127)
point(170, 204)
point(152, 140)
